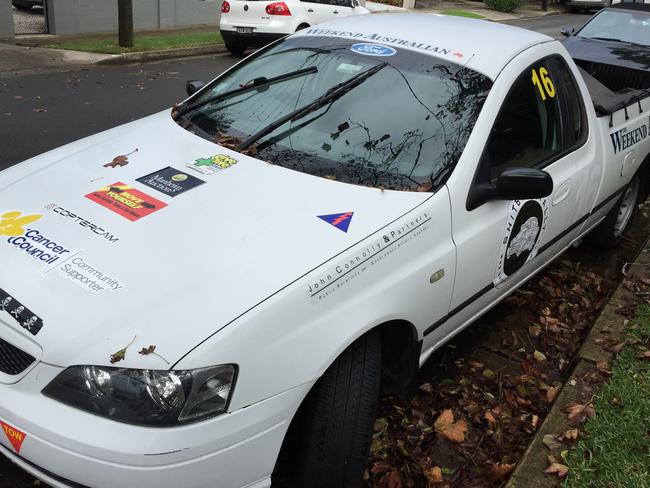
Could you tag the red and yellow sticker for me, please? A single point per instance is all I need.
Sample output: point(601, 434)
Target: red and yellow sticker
point(126, 201)
point(15, 436)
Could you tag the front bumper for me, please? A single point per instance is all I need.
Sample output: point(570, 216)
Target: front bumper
point(254, 39)
point(68, 448)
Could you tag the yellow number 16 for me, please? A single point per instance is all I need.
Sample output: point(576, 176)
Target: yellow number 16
point(543, 83)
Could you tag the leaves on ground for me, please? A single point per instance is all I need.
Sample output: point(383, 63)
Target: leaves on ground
point(501, 409)
point(578, 413)
point(446, 427)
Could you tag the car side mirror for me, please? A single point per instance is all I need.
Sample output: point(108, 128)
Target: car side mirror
point(523, 183)
point(512, 184)
point(192, 86)
point(567, 31)
point(354, 3)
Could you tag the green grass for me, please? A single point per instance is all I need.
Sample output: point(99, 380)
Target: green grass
point(616, 451)
point(145, 43)
point(462, 13)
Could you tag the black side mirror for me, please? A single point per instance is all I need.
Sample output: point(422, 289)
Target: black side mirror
point(523, 183)
point(512, 184)
point(567, 31)
point(192, 86)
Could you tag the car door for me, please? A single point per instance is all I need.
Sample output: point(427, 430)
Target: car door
point(539, 122)
point(325, 10)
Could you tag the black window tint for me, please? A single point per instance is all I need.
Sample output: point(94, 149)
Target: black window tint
point(575, 114)
point(528, 130)
point(339, 3)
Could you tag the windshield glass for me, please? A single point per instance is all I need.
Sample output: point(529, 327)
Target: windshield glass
point(400, 126)
point(631, 27)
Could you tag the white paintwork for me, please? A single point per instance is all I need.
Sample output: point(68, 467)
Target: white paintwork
point(302, 14)
point(228, 272)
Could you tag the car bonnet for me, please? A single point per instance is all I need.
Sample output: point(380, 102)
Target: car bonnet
point(149, 235)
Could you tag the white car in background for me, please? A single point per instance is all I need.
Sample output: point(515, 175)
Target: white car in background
point(247, 24)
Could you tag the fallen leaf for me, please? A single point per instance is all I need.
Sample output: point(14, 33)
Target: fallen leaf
point(578, 413)
point(551, 441)
point(534, 330)
point(147, 350)
point(500, 471)
point(556, 468)
point(119, 161)
point(571, 434)
point(39, 110)
point(446, 427)
point(534, 421)
point(434, 475)
point(539, 356)
point(644, 355)
point(121, 354)
point(489, 416)
point(603, 367)
point(551, 393)
point(426, 387)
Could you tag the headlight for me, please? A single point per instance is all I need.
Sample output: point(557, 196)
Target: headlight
point(145, 396)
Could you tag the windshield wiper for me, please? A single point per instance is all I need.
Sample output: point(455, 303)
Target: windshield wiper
point(606, 39)
point(330, 95)
point(251, 85)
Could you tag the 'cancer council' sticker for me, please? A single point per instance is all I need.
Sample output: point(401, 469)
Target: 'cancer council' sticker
point(372, 49)
point(15, 436)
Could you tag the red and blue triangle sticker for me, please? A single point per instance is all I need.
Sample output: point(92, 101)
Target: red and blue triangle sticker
point(339, 220)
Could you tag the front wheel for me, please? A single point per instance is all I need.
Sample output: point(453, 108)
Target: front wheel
point(328, 441)
point(610, 231)
point(236, 49)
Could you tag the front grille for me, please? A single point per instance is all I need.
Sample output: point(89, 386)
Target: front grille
point(13, 361)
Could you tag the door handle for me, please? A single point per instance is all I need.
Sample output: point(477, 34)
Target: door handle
point(335, 12)
point(310, 10)
point(562, 192)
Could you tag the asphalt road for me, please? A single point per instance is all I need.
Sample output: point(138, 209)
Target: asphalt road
point(551, 24)
point(39, 112)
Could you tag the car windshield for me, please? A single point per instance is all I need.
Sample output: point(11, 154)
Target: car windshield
point(383, 117)
point(632, 27)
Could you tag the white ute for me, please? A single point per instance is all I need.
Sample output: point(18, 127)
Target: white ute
point(177, 312)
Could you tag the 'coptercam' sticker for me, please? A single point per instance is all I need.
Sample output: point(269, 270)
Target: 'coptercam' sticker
point(372, 49)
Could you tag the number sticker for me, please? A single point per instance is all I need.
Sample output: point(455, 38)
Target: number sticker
point(543, 83)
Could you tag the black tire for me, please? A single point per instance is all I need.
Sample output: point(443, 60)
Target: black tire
point(328, 441)
point(236, 49)
point(611, 230)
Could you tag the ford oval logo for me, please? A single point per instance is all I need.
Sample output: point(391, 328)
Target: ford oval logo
point(373, 49)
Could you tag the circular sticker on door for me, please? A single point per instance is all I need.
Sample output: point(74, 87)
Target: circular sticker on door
point(525, 224)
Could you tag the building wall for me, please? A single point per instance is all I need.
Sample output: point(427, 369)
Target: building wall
point(69, 17)
point(6, 19)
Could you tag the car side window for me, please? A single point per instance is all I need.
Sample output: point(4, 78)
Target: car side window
point(528, 129)
point(575, 115)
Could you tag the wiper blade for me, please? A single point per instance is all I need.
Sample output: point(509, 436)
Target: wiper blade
point(330, 95)
point(605, 39)
point(251, 85)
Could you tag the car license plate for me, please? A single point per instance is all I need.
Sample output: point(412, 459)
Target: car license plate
point(244, 30)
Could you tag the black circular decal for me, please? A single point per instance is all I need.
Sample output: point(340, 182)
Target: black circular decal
point(524, 226)
point(523, 236)
point(246, 8)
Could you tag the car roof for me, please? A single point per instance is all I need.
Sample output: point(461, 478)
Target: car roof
point(644, 7)
point(481, 45)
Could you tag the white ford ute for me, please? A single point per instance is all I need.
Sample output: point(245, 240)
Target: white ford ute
point(214, 296)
